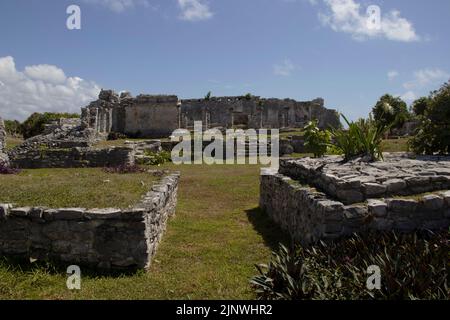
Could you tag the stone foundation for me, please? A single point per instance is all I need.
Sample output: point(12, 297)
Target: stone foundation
point(73, 157)
point(101, 238)
point(309, 215)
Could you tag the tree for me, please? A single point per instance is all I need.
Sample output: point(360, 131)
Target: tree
point(433, 134)
point(420, 106)
point(208, 96)
point(391, 111)
point(13, 127)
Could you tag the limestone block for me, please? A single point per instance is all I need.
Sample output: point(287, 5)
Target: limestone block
point(395, 185)
point(374, 190)
point(377, 208)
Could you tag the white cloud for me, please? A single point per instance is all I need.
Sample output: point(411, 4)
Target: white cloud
point(427, 77)
point(120, 5)
point(348, 16)
point(284, 69)
point(409, 96)
point(41, 88)
point(392, 74)
point(194, 10)
point(423, 81)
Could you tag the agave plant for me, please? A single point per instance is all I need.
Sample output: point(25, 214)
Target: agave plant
point(363, 138)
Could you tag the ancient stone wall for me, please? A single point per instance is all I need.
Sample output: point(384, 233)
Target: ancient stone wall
point(308, 215)
point(255, 112)
point(73, 157)
point(102, 238)
point(3, 156)
point(156, 116)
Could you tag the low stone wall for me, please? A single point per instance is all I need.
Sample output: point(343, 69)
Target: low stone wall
point(308, 215)
point(72, 157)
point(101, 238)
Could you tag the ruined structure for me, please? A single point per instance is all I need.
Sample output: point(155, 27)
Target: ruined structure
point(325, 199)
point(158, 116)
point(3, 155)
point(106, 238)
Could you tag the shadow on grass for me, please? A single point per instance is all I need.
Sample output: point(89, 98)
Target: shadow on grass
point(51, 267)
point(269, 230)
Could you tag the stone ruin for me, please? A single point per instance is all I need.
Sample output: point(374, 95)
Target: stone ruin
point(158, 116)
point(3, 156)
point(106, 238)
point(326, 199)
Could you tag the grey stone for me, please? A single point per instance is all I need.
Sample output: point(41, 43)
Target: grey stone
point(402, 205)
point(374, 190)
point(395, 185)
point(432, 202)
point(377, 208)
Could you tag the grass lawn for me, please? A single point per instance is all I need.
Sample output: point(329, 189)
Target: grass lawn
point(12, 142)
point(86, 188)
point(395, 145)
point(208, 251)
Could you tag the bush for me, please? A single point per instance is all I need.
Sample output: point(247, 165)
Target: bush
point(35, 124)
point(124, 169)
point(362, 139)
point(412, 267)
point(156, 158)
point(316, 140)
point(433, 134)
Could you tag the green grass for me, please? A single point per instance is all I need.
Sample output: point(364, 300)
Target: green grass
point(12, 142)
point(395, 145)
point(86, 188)
point(208, 251)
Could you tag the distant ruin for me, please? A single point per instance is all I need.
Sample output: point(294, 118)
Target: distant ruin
point(150, 116)
point(3, 155)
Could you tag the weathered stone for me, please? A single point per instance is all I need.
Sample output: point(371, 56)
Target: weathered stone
point(374, 190)
point(377, 208)
point(395, 185)
point(432, 202)
point(402, 205)
point(350, 196)
point(109, 213)
point(20, 212)
point(69, 213)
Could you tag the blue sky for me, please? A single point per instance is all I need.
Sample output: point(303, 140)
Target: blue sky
point(300, 49)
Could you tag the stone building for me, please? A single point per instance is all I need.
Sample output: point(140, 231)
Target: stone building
point(158, 116)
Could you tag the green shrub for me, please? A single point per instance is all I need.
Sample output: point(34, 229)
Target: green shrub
point(363, 138)
point(412, 267)
point(316, 140)
point(35, 124)
point(156, 158)
point(433, 134)
point(208, 96)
